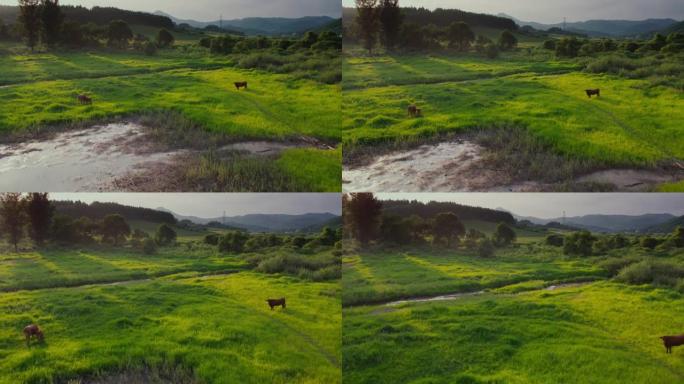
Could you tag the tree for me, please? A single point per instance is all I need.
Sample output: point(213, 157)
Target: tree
point(119, 33)
point(578, 243)
point(649, 242)
point(233, 242)
point(395, 229)
point(362, 214)
point(149, 247)
point(367, 22)
point(472, 236)
point(165, 235)
point(40, 211)
point(504, 235)
point(507, 40)
point(460, 36)
point(447, 227)
point(72, 34)
point(165, 38)
point(29, 18)
point(390, 22)
point(678, 236)
point(554, 240)
point(12, 217)
point(52, 19)
point(485, 248)
point(328, 236)
point(114, 229)
point(568, 47)
point(64, 230)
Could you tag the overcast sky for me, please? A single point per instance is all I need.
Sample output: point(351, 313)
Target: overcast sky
point(213, 204)
point(210, 10)
point(551, 205)
point(553, 11)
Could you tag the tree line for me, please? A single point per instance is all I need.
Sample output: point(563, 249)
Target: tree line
point(367, 219)
point(384, 22)
point(585, 243)
point(573, 46)
point(97, 210)
point(35, 216)
point(48, 23)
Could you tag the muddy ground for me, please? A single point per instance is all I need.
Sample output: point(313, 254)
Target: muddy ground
point(462, 165)
point(113, 157)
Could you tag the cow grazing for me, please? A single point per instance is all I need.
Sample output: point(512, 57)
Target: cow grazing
point(240, 84)
point(412, 110)
point(276, 302)
point(672, 341)
point(32, 331)
point(84, 99)
point(592, 92)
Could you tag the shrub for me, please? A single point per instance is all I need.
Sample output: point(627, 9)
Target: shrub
point(211, 239)
point(149, 247)
point(485, 248)
point(652, 272)
point(554, 240)
point(649, 242)
point(150, 48)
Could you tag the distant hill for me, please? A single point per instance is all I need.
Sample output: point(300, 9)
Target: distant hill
point(605, 28)
point(97, 15)
point(407, 208)
point(271, 26)
point(309, 222)
point(666, 227)
point(607, 223)
point(335, 26)
point(442, 18)
point(678, 27)
point(97, 211)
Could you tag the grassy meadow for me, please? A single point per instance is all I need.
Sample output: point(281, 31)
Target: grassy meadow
point(188, 85)
point(524, 325)
point(632, 124)
point(187, 314)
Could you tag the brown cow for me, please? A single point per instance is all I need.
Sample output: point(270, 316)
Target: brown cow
point(31, 331)
point(412, 110)
point(240, 84)
point(591, 92)
point(672, 341)
point(276, 302)
point(84, 99)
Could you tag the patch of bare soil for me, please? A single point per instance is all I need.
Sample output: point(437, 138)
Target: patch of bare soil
point(145, 375)
point(461, 165)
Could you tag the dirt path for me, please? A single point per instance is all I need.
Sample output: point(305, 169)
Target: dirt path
point(106, 283)
point(461, 295)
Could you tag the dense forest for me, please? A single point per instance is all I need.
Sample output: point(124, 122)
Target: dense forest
point(96, 15)
point(407, 208)
point(97, 210)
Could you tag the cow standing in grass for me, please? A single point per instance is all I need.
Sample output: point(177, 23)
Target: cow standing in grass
point(672, 341)
point(276, 302)
point(592, 92)
point(413, 111)
point(84, 99)
point(33, 331)
point(240, 84)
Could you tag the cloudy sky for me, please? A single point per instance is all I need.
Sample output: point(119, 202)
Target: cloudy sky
point(210, 10)
point(213, 204)
point(551, 205)
point(553, 11)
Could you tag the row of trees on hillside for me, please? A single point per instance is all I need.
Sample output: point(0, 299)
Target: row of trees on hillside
point(384, 21)
point(45, 22)
point(237, 241)
point(34, 215)
point(227, 44)
point(367, 220)
point(574, 47)
point(584, 243)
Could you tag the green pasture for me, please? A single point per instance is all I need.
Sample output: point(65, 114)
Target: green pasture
point(633, 123)
point(386, 275)
point(189, 321)
point(598, 333)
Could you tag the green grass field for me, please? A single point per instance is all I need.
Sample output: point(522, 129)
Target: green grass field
point(39, 91)
point(516, 331)
point(633, 123)
point(190, 320)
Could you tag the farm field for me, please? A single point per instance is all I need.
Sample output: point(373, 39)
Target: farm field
point(189, 316)
point(632, 126)
point(537, 318)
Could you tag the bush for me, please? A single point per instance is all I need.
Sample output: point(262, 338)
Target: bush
point(652, 272)
point(554, 240)
point(211, 239)
point(485, 248)
point(165, 235)
point(649, 242)
point(149, 247)
point(550, 45)
point(614, 265)
point(150, 48)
